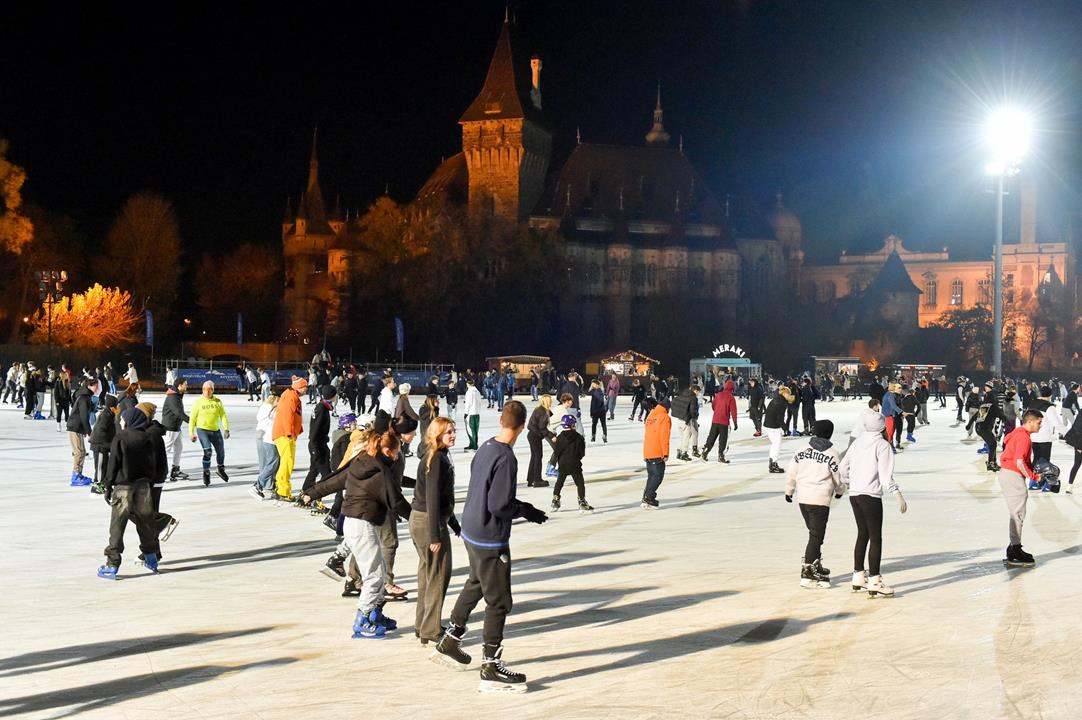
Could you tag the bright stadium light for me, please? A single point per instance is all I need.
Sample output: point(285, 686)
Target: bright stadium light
point(1007, 136)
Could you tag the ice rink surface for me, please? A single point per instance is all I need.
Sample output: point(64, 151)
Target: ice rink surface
point(691, 611)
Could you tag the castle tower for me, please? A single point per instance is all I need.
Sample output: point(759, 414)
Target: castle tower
point(657, 134)
point(305, 241)
point(506, 145)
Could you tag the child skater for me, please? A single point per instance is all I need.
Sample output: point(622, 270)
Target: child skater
point(567, 456)
point(813, 474)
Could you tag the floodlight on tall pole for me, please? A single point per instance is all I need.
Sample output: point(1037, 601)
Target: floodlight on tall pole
point(1007, 136)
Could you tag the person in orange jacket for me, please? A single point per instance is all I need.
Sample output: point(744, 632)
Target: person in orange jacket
point(288, 426)
point(655, 448)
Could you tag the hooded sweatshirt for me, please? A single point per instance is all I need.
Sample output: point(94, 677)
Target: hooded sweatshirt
point(1052, 427)
point(814, 474)
point(869, 464)
point(287, 419)
point(136, 455)
point(655, 443)
point(725, 406)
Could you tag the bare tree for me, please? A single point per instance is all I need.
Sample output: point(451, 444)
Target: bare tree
point(142, 252)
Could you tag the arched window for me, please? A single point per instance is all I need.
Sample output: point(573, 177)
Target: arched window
point(956, 293)
point(984, 291)
point(931, 286)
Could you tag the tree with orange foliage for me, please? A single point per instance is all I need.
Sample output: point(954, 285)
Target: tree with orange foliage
point(98, 318)
point(16, 230)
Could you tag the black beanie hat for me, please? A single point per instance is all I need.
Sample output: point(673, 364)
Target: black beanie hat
point(823, 429)
point(382, 422)
point(404, 425)
point(328, 392)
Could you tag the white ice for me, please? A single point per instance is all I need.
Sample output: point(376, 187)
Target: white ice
point(691, 611)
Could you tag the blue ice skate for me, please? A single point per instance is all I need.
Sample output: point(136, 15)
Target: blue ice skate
point(376, 617)
point(909, 437)
point(78, 480)
point(363, 629)
point(1036, 484)
point(107, 572)
point(983, 450)
point(150, 561)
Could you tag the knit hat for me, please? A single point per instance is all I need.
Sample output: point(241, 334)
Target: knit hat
point(823, 429)
point(404, 389)
point(148, 409)
point(134, 419)
point(346, 420)
point(299, 384)
point(382, 422)
point(873, 422)
point(328, 392)
point(404, 425)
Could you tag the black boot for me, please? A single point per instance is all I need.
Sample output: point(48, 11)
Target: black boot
point(695, 451)
point(721, 459)
point(448, 650)
point(206, 478)
point(497, 677)
point(221, 473)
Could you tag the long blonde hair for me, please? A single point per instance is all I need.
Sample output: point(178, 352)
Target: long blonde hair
point(436, 429)
point(546, 402)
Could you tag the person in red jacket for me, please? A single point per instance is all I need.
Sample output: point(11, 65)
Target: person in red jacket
point(724, 412)
point(1016, 469)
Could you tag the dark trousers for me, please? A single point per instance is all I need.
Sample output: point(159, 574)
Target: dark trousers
point(533, 475)
point(897, 429)
point(815, 518)
point(351, 398)
point(101, 463)
point(1077, 464)
point(595, 419)
point(868, 512)
point(720, 433)
point(132, 502)
point(636, 405)
point(756, 416)
point(655, 473)
point(490, 578)
point(808, 411)
point(161, 520)
point(473, 425)
point(790, 418)
point(61, 413)
point(580, 483)
point(211, 439)
point(959, 419)
point(319, 464)
point(910, 424)
point(1042, 450)
point(989, 438)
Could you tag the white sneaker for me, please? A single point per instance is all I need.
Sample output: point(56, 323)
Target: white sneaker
point(860, 580)
point(876, 586)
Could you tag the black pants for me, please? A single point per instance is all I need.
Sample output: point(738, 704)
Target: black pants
point(636, 405)
point(61, 412)
point(989, 438)
point(253, 390)
point(132, 502)
point(490, 578)
point(897, 429)
point(595, 419)
point(910, 424)
point(815, 519)
point(720, 433)
point(580, 483)
point(161, 520)
point(756, 419)
point(533, 475)
point(868, 512)
point(808, 412)
point(101, 463)
point(790, 418)
point(351, 398)
point(1042, 450)
point(1077, 464)
point(319, 459)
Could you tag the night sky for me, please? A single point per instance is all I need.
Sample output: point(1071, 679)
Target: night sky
point(866, 114)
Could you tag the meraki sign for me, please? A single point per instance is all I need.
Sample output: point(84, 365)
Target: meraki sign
point(727, 349)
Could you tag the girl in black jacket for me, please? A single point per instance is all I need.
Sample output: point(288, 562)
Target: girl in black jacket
point(101, 441)
point(537, 429)
point(570, 449)
point(638, 392)
point(433, 512)
point(756, 405)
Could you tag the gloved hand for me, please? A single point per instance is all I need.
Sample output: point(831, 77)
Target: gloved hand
point(456, 528)
point(901, 503)
point(838, 496)
point(108, 495)
point(788, 498)
point(226, 434)
point(533, 514)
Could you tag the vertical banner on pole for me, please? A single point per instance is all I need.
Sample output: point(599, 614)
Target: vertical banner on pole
point(399, 335)
point(240, 329)
point(150, 329)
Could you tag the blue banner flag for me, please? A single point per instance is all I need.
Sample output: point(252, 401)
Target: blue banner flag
point(150, 329)
point(399, 334)
point(240, 329)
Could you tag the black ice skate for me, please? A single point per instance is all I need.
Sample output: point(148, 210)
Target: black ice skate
point(351, 589)
point(585, 508)
point(221, 473)
point(497, 677)
point(1017, 557)
point(812, 577)
point(448, 650)
point(335, 568)
point(206, 478)
point(775, 468)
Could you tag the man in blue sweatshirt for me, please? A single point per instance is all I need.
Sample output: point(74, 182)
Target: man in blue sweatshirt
point(486, 531)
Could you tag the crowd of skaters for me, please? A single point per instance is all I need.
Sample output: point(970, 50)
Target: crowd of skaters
point(362, 464)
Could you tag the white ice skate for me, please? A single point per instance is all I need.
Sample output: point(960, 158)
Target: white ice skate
point(876, 587)
point(860, 581)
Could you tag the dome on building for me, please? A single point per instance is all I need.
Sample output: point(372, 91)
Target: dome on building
point(785, 225)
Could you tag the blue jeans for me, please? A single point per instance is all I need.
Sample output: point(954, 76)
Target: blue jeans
point(610, 402)
point(655, 473)
point(268, 464)
point(209, 439)
point(533, 392)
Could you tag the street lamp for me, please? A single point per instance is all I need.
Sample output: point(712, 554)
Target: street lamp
point(1007, 137)
point(50, 290)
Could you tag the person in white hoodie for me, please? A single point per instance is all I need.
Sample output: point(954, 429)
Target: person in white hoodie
point(472, 411)
point(814, 476)
point(865, 470)
point(266, 450)
point(387, 399)
point(1051, 428)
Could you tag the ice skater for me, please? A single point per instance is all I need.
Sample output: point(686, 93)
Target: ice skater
point(866, 468)
point(1016, 469)
point(814, 476)
point(567, 455)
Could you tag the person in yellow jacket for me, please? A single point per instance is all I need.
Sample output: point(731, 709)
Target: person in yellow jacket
point(288, 426)
point(208, 421)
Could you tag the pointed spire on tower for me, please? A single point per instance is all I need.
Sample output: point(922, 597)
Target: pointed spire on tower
point(681, 136)
point(288, 217)
point(657, 134)
point(578, 135)
point(507, 13)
